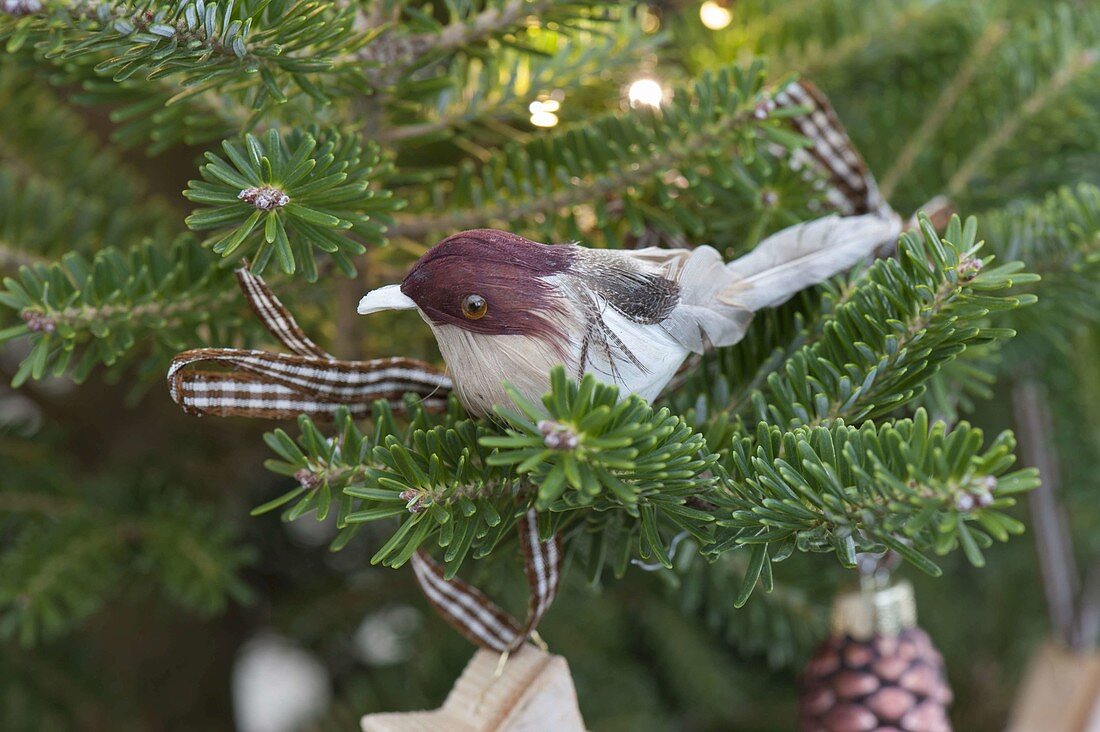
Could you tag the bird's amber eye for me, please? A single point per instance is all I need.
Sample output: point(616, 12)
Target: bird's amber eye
point(474, 307)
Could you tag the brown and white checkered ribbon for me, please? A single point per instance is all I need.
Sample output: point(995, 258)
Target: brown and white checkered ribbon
point(275, 317)
point(850, 186)
point(472, 613)
point(281, 386)
point(254, 383)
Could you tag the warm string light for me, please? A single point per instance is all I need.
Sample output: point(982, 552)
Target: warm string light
point(544, 109)
point(645, 93)
point(715, 15)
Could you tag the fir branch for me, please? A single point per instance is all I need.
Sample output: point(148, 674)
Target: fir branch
point(395, 53)
point(418, 226)
point(80, 313)
point(483, 91)
point(432, 474)
point(783, 623)
point(202, 46)
point(55, 577)
point(42, 216)
point(909, 486)
point(582, 444)
point(637, 164)
point(171, 314)
point(918, 142)
point(52, 173)
point(287, 198)
point(194, 556)
point(793, 360)
point(906, 318)
point(812, 60)
point(1040, 99)
point(70, 543)
point(146, 115)
point(1059, 237)
point(140, 111)
point(67, 565)
point(488, 23)
point(580, 455)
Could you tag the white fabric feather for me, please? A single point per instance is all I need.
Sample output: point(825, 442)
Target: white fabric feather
point(481, 364)
point(718, 300)
point(804, 255)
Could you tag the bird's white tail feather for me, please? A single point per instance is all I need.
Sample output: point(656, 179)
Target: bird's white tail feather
point(803, 255)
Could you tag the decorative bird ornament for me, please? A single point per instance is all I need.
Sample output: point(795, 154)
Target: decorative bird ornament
point(505, 309)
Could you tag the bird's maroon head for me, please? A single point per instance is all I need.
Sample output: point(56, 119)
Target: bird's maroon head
point(490, 282)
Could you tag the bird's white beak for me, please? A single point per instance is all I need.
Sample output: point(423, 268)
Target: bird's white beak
point(389, 297)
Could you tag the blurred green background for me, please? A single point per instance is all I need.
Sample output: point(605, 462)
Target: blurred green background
point(172, 608)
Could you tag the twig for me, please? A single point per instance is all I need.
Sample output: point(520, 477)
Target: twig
point(918, 142)
point(396, 53)
point(1039, 99)
point(172, 312)
point(1052, 538)
point(812, 59)
point(415, 225)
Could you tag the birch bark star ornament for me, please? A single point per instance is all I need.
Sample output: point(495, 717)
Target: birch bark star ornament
point(505, 309)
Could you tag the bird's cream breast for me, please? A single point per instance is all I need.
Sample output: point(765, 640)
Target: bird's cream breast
point(481, 364)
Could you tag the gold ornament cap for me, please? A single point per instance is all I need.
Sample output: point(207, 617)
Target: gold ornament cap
point(868, 612)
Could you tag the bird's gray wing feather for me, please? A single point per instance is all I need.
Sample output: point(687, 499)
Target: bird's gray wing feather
point(717, 300)
point(638, 288)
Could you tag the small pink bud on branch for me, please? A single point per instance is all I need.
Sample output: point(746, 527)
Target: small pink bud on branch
point(558, 436)
point(969, 267)
point(20, 7)
point(414, 500)
point(307, 479)
point(38, 321)
point(265, 198)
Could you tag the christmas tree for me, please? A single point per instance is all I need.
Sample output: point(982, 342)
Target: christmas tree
point(151, 569)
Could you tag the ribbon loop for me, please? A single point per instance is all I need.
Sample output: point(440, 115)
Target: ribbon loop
point(850, 186)
point(275, 317)
point(473, 614)
point(309, 380)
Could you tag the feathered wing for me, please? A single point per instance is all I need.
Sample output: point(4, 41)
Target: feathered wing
point(718, 299)
point(803, 255)
point(702, 320)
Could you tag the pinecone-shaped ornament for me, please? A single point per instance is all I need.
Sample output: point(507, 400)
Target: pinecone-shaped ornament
point(877, 671)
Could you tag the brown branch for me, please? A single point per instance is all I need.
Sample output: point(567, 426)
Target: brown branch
point(812, 59)
point(171, 311)
point(1005, 133)
point(1049, 523)
point(918, 142)
point(397, 53)
point(417, 225)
